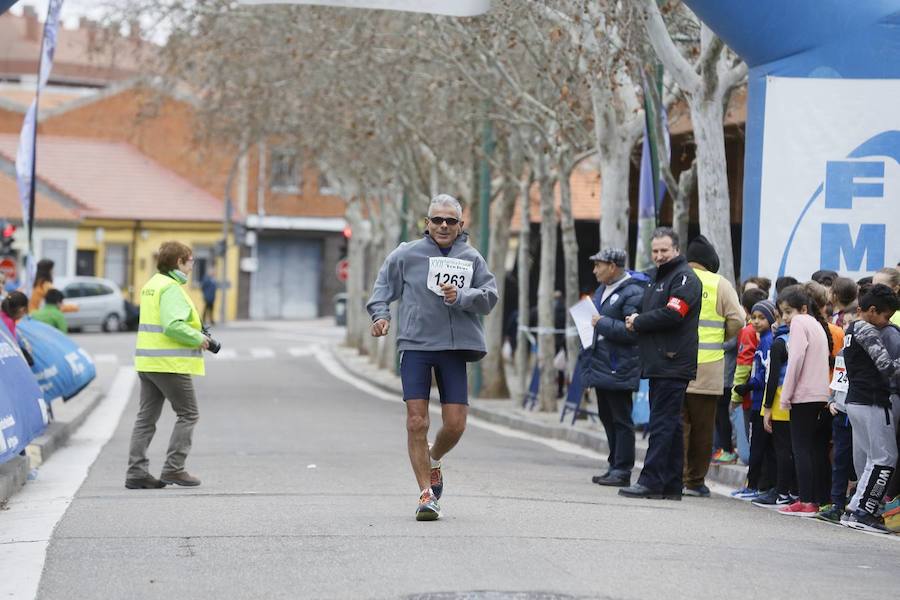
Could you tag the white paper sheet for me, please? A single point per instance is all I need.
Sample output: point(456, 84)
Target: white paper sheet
point(582, 313)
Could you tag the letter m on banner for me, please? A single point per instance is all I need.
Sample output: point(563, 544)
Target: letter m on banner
point(837, 241)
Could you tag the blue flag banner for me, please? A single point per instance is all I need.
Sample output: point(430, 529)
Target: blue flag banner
point(23, 414)
point(61, 367)
point(454, 8)
point(822, 160)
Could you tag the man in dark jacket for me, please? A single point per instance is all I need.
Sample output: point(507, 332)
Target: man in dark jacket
point(667, 338)
point(612, 364)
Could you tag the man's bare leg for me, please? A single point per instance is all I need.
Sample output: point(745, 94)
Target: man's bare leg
point(417, 423)
point(452, 428)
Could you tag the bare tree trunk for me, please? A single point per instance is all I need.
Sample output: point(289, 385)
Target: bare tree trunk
point(493, 378)
point(570, 258)
point(681, 203)
point(712, 176)
point(523, 344)
point(546, 285)
point(614, 215)
point(357, 318)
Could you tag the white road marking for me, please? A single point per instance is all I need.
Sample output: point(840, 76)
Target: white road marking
point(226, 354)
point(262, 353)
point(302, 351)
point(105, 358)
point(26, 527)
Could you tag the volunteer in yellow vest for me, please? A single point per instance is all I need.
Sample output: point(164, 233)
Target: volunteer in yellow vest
point(890, 276)
point(721, 318)
point(169, 351)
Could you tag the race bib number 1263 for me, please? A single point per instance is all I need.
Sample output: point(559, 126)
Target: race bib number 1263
point(454, 271)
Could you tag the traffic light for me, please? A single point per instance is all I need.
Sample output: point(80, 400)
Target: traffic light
point(8, 237)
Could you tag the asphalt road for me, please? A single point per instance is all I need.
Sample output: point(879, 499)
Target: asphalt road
point(307, 493)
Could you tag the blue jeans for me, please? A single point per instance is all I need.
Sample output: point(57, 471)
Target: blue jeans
point(664, 463)
point(842, 461)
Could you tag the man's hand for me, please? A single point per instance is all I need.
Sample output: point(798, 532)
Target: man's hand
point(450, 292)
point(767, 420)
point(629, 321)
point(204, 345)
point(595, 319)
point(833, 409)
point(380, 327)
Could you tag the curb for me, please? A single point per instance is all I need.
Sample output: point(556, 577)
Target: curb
point(14, 473)
point(729, 475)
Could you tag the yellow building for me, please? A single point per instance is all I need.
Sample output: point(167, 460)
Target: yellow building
point(127, 205)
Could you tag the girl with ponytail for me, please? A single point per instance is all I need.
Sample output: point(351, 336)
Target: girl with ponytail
point(805, 394)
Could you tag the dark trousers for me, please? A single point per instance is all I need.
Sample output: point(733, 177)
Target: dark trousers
point(805, 440)
point(784, 457)
point(762, 469)
point(209, 315)
point(699, 414)
point(842, 463)
point(723, 423)
point(823, 461)
point(664, 462)
point(614, 408)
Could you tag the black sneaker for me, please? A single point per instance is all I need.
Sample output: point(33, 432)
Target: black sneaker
point(613, 480)
point(772, 499)
point(597, 478)
point(144, 483)
point(860, 519)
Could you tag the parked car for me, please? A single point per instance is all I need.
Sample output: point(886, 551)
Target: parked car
point(99, 301)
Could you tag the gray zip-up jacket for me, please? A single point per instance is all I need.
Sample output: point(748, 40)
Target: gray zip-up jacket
point(426, 322)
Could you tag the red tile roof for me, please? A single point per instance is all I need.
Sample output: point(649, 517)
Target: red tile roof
point(45, 208)
point(585, 184)
point(112, 180)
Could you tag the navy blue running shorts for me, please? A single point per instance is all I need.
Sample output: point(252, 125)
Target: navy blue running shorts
point(449, 369)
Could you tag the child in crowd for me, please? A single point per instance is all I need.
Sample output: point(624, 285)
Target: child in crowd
point(843, 301)
point(841, 432)
point(50, 313)
point(744, 347)
point(874, 377)
point(762, 452)
point(13, 308)
point(805, 393)
point(776, 421)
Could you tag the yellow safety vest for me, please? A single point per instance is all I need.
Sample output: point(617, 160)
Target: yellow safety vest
point(156, 352)
point(711, 327)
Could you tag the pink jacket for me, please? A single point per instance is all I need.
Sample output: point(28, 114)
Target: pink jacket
point(806, 379)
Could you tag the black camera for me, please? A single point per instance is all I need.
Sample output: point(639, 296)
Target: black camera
point(214, 345)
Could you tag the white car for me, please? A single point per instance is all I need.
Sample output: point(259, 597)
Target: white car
point(100, 302)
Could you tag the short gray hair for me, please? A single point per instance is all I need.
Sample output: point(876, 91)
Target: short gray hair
point(446, 200)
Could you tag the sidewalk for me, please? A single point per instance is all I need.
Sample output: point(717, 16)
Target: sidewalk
point(506, 412)
point(68, 416)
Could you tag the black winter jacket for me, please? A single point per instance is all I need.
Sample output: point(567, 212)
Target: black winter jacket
point(667, 325)
point(613, 362)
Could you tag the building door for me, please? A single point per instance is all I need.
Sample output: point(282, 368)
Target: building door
point(287, 280)
point(86, 262)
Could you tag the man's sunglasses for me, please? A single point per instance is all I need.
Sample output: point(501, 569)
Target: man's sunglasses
point(441, 220)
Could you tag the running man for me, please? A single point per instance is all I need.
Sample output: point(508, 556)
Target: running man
point(443, 285)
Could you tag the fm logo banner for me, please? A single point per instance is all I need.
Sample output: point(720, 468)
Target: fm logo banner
point(830, 188)
point(454, 8)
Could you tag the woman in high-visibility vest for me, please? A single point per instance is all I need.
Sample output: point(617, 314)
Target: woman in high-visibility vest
point(169, 351)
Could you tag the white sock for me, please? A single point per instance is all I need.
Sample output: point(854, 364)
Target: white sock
point(435, 464)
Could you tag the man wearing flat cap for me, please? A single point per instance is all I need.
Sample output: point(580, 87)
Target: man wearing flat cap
point(612, 364)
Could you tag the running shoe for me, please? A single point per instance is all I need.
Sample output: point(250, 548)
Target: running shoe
point(800, 509)
point(860, 519)
point(428, 509)
point(892, 508)
point(892, 522)
point(771, 499)
point(831, 513)
point(723, 457)
point(746, 494)
point(437, 481)
point(700, 491)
